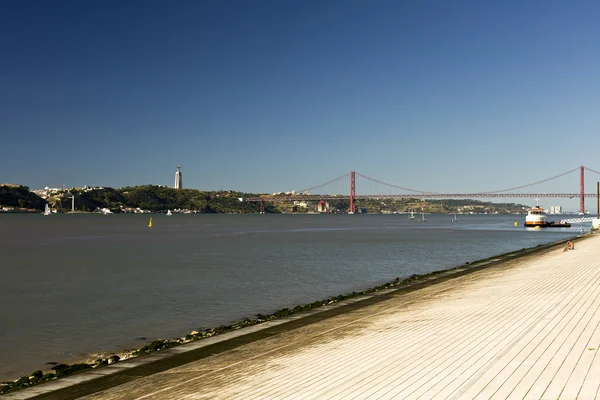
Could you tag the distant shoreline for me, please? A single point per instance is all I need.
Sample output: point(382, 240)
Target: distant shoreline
point(163, 212)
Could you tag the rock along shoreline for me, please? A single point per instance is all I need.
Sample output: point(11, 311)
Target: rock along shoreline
point(60, 370)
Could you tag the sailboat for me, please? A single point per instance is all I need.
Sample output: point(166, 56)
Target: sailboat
point(423, 217)
point(412, 215)
point(47, 210)
point(150, 223)
point(169, 213)
point(454, 220)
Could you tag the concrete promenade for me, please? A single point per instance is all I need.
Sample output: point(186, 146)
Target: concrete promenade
point(527, 328)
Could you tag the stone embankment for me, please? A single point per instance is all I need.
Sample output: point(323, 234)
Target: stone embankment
point(62, 370)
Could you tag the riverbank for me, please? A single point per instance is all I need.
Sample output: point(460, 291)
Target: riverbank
point(346, 302)
point(78, 285)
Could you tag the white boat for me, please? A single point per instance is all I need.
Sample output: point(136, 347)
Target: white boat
point(47, 209)
point(169, 213)
point(455, 219)
point(412, 215)
point(536, 217)
point(423, 217)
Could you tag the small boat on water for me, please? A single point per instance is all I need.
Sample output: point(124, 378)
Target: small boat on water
point(169, 213)
point(560, 224)
point(150, 223)
point(412, 215)
point(536, 217)
point(47, 209)
point(455, 219)
point(423, 217)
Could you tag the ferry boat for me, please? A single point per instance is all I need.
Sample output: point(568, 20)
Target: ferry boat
point(536, 217)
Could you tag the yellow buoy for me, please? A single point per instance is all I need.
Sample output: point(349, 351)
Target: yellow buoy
point(150, 223)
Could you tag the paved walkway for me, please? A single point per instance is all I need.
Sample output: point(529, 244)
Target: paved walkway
point(528, 328)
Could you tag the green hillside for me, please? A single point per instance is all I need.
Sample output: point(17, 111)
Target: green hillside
point(154, 198)
point(19, 197)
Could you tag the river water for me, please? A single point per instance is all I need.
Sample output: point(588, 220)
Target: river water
point(72, 285)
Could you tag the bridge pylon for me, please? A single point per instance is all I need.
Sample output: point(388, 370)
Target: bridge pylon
point(352, 191)
point(581, 191)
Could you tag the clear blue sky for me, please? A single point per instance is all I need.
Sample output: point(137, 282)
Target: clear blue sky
point(264, 96)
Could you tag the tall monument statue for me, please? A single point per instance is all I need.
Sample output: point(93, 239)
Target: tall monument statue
point(178, 180)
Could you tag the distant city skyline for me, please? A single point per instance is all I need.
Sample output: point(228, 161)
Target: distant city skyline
point(273, 96)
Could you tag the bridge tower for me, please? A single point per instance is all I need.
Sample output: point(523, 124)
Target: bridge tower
point(352, 191)
point(581, 192)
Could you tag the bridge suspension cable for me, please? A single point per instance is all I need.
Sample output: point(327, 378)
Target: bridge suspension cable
point(534, 183)
point(329, 182)
point(393, 186)
point(591, 170)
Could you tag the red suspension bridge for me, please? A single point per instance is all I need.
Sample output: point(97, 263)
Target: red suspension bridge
point(354, 185)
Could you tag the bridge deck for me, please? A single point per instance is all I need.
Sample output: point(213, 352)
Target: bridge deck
point(578, 220)
point(528, 328)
